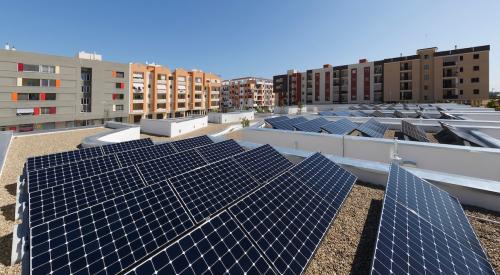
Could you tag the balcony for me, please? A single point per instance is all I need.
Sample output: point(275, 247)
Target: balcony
point(450, 94)
point(161, 100)
point(405, 78)
point(449, 63)
point(138, 101)
point(160, 81)
point(138, 80)
point(405, 67)
point(450, 74)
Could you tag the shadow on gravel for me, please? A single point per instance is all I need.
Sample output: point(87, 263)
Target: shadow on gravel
point(8, 211)
point(364, 252)
point(6, 245)
point(11, 188)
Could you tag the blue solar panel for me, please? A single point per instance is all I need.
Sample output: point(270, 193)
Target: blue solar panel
point(40, 162)
point(424, 230)
point(190, 143)
point(413, 131)
point(220, 150)
point(373, 128)
point(326, 113)
point(53, 202)
point(271, 121)
point(340, 127)
point(288, 124)
point(263, 163)
point(56, 175)
point(127, 145)
point(163, 168)
point(359, 114)
point(217, 247)
point(311, 125)
point(208, 189)
point(109, 236)
point(138, 155)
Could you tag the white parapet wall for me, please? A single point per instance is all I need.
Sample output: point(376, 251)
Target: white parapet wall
point(289, 110)
point(173, 127)
point(122, 135)
point(232, 117)
point(467, 161)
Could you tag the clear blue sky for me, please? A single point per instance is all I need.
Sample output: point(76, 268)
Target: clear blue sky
point(237, 38)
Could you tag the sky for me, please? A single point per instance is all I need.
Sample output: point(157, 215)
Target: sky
point(236, 38)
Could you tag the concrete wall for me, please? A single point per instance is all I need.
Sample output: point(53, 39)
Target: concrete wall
point(173, 127)
point(124, 134)
point(221, 118)
point(5, 138)
point(461, 160)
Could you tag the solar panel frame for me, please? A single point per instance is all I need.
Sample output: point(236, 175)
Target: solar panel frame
point(413, 131)
point(373, 128)
point(263, 163)
point(218, 246)
point(220, 150)
point(126, 145)
point(54, 202)
point(186, 144)
point(313, 125)
point(110, 236)
point(60, 174)
point(340, 127)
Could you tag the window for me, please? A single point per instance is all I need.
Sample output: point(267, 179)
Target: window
point(48, 82)
point(476, 56)
point(50, 96)
point(476, 68)
point(474, 80)
point(197, 87)
point(47, 69)
point(120, 85)
point(461, 69)
point(45, 110)
point(119, 107)
point(118, 96)
point(197, 79)
point(461, 58)
point(119, 74)
point(461, 92)
point(426, 77)
point(426, 56)
point(461, 80)
point(23, 96)
point(33, 96)
point(31, 68)
point(426, 87)
point(31, 82)
point(476, 91)
point(426, 66)
point(162, 77)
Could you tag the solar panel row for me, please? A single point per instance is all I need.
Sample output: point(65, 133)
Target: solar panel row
point(424, 230)
point(373, 128)
point(287, 124)
point(340, 127)
point(413, 131)
point(313, 125)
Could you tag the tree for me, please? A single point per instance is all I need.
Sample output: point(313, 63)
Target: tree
point(245, 123)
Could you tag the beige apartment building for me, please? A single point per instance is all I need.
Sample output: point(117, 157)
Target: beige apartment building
point(157, 93)
point(459, 75)
point(248, 92)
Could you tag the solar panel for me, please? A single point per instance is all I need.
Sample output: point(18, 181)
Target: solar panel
point(326, 113)
point(186, 144)
point(109, 236)
point(424, 230)
point(263, 163)
point(274, 119)
point(359, 114)
point(56, 175)
point(332, 182)
point(287, 219)
point(138, 155)
point(340, 127)
point(127, 145)
point(217, 247)
point(377, 113)
point(163, 168)
point(372, 128)
point(209, 188)
point(40, 162)
point(342, 113)
point(288, 124)
point(220, 150)
point(413, 131)
point(53, 202)
point(454, 135)
point(313, 125)
point(399, 114)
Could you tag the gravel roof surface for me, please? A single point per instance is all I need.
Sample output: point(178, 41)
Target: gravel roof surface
point(347, 246)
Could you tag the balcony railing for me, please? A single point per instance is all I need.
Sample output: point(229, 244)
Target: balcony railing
point(449, 63)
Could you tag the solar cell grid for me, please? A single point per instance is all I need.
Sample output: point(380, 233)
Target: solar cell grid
point(413, 131)
point(288, 124)
point(56, 175)
point(311, 125)
point(424, 230)
point(209, 188)
point(287, 221)
point(138, 155)
point(40, 162)
point(161, 169)
point(373, 128)
point(340, 127)
point(53, 202)
point(220, 150)
point(263, 163)
point(217, 247)
point(190, 143)
point(109, 236)
point(127, 145)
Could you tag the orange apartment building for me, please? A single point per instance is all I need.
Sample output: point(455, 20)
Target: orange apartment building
point(248, 92)
point(158, 93)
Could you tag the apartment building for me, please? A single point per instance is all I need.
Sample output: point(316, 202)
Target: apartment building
point(40, 91)
point(248, 92)
point(459, 75)
point(156, 92)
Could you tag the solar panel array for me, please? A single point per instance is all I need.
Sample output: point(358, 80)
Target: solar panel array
point(273, 120)
point(187, 212)
point(424, 230)
point(313, 125)
point(287, 124)
point(413, 131)
point(125, 146)
point(373, 128)
point(378, 113)
point(340, 127)
point(131, 157)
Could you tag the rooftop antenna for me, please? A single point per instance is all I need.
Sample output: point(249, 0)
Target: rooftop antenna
point(7, 46)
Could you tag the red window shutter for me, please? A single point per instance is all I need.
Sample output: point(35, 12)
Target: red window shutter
point(122, 85)
point(20, 67)
point(114, 96)
point(52, 110)
point(36, 111)
point(42, 96)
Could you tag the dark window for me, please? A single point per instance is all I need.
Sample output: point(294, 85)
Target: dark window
point(426, 87)
point(476, 56)
point(33, 96)
point(474, 80)
point(461, 69)
point(461, 80)
point(476, 68)
point(118, 85)
point(31, 82)
point(461, 92)
point(476, 91)
point(120, 74)
point(461, 58)
point(426, 56)
point(50, 96)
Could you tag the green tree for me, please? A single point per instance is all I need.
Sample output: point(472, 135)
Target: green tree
point(245, 123)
